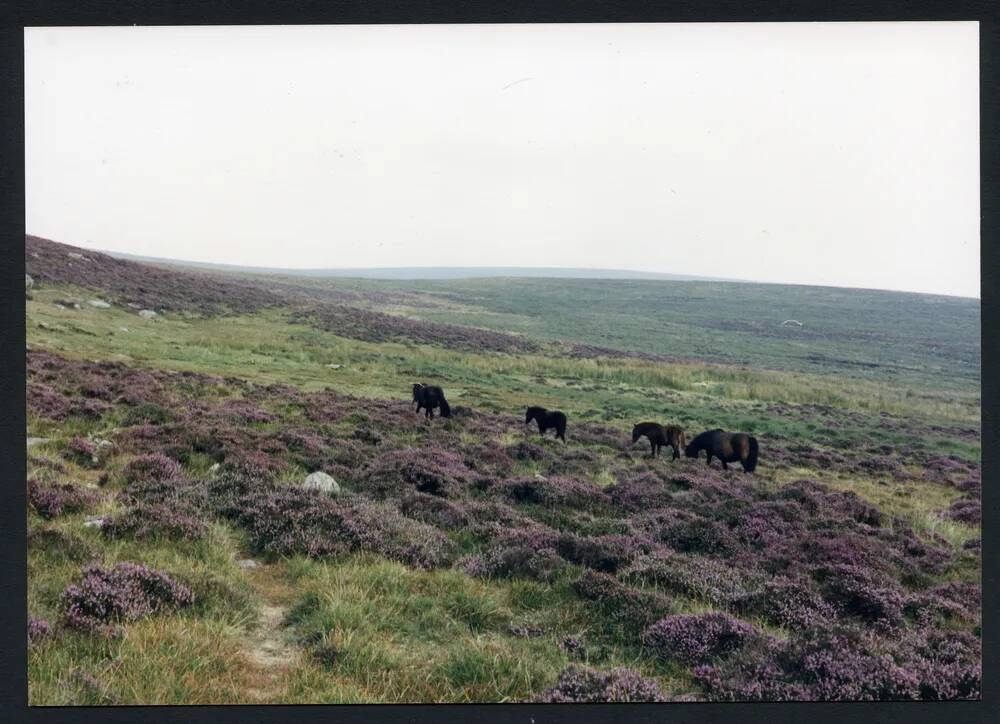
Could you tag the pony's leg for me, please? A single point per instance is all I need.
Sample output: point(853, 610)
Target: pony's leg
point(708, 457)
point(724, 465)
point(676, 454)
point(652, 449)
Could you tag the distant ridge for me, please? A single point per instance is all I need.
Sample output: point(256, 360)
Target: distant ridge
point(412, 272)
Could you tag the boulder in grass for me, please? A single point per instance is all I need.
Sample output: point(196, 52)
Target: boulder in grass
point(99, 304)
point(147, 313)
point(28, 282)
point(322, 482)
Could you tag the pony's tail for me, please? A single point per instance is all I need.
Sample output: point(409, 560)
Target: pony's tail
point(752, 456)
point(446, 408)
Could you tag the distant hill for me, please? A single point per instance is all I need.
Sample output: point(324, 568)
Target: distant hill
point(413, 272)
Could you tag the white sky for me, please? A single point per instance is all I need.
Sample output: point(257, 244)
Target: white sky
point(840, 154)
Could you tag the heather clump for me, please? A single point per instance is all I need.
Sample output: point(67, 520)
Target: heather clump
point(254, 465)
point(150, 467)
point(966, 510)
point(528, 451)
point(429, 470)
point(554, 491)
point(696, 638)
point(430, 509)
point(698, 577)
point(38, 629)
point(155, 520)
point(50, 501)
point(632, 609)
point(82, 452)
point(125, 593)
point(789, 603)
point(607, 553)
point(515, 561)
point(582, 685)
point(641, 492)
point(857, 593)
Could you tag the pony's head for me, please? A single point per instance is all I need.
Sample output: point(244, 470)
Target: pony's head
point(692, 450)
point(635, 433)
point(416, 390)
point(532, 413)
point(445, 408)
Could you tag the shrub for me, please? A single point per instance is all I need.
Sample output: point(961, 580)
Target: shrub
point(965, 510)
point(581, 685)
point(606, 553)
point(52, 500)
point(155, 520)
point(786, 602)
point(515, 561)
point(127, 592)
point(715, 582)
point(430, 470)
point(253, 466)
point(82, 452)
point(855, 592)
point(697, 638)
point(633, 609)
point(145, 413)
point(38, 629)
point(551, 492)
point(434, 511)
point(151, 467)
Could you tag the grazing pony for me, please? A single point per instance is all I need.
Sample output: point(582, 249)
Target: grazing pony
point(429, 397)
point(547, 420)
point(729, 447)
point(660, 436)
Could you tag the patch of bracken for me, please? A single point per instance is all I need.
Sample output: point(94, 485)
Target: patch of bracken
point(50, 501)
point(125, 593)
point(696, 638)
point(581, 685)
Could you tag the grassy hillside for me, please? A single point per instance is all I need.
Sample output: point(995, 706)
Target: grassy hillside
point(468, 559)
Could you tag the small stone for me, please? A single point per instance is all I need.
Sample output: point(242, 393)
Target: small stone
point(28, 282)
point(124, 329)
point(99, 304)
point(539, 476)
point(32, 441)
point(75, 255)
point(45, 325)
point(59, 306)
point(335, 367)
point(248, 564)
point(322, 482)
point(93, 522)
point(147, 313)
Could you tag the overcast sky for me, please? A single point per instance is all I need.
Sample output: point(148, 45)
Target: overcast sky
point(835, 154)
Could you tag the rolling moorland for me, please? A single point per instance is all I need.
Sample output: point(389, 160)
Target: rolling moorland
point(176, 556)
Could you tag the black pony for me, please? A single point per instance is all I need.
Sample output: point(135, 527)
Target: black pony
point(660, 436)
point(429, 397)
point(547, 420)
point(729, 447)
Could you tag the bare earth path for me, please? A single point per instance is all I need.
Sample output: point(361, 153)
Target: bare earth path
point(267, 647)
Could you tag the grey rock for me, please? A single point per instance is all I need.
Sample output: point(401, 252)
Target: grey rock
point(75, 255)
point(99, 304)
point(322, 482)
point(28, 282)
point(32, 441)
point(248, 564)
point(147, 313)
point(93, 522)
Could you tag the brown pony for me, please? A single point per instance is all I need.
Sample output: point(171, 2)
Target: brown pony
point(729, 447)
point(660, 436)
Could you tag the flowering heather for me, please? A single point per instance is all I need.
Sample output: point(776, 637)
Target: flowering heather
point(602, 553)
point(150, 467)
point(488, 459)
point(154, 520)
point(633, 609)
point(253, 465)
point(149, 286)
point(428, 470)
point(244, 412)
point(952, 601)
point(434, 511)
point(38, 629)
point(581, 685)
point(528, 451)
point(688, 532)
point(52, 500)
point(641, 492)
point(856, 592)
point(554, 491)
point(514, 562)
point(81, 451)
point(705, 579)
point(291, 520)
point(43, 461)
point(965, 510)
point(127, 592)
point(788, 603)
point(46, 401)
point(696, 638)
point(372, 326)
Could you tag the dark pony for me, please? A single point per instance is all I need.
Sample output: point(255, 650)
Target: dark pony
point(547, 420)
point(429, 397)
point(660, 436)
point(729, 447)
